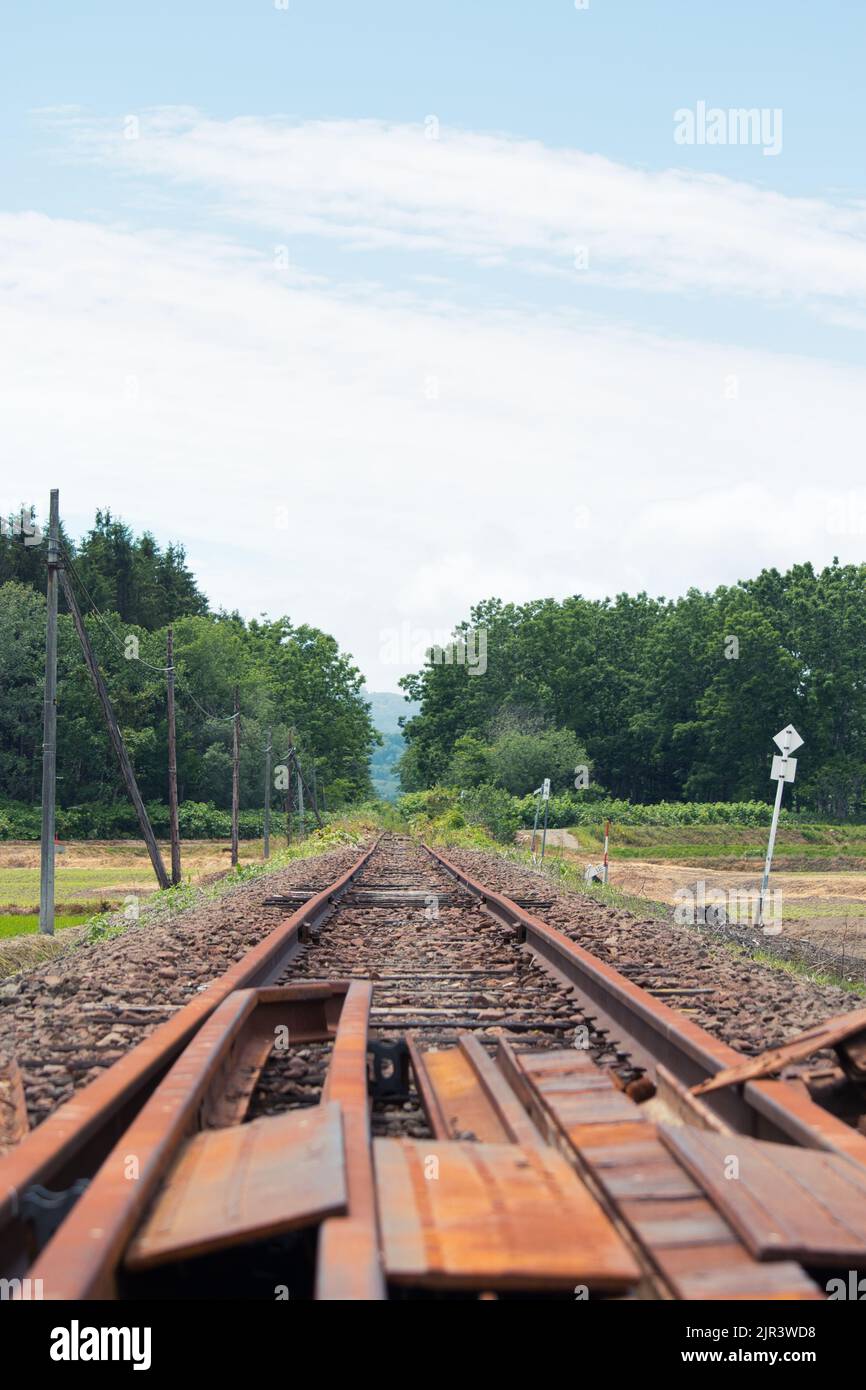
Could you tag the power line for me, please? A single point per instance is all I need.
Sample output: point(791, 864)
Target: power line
point(121, 642)
point(214, 718)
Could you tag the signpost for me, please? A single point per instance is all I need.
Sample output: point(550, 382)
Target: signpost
point(784, 770)
point(537, 795)
point(605, 870)
point(545, 796)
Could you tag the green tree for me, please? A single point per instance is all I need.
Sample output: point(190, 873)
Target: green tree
point(471, 762)
point(522, 761)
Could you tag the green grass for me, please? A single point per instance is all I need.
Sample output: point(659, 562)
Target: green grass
point(349, 829)
point(20, 887)
point(23, 924)
point(802, 971)
point(795, 910)
point(690, 842)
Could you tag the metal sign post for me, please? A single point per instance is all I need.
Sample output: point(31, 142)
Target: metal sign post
point(784, 770)
point(537, 795)
point(545, 796)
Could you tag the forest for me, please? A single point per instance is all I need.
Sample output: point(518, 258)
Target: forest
point(291, 678)
point(661, 699)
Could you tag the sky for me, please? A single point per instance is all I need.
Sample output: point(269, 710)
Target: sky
point(385, 309)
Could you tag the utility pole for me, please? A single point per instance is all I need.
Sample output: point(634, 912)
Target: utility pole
point(289, 757)
point(267, 841)
point(302, 784)
point(300, 800)
point(174, 823)
point(49, 727)
point(114, 732)
point(236, 767)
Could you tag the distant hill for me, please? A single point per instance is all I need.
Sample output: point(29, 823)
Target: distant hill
point(386, 709)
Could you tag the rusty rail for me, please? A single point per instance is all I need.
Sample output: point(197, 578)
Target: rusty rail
point(207, 1091)
point(538, 1195)
point(72, 1142)
point(655, 1035)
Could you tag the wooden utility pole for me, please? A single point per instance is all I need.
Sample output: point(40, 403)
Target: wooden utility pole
point(236, 769)
point(289, 758)
point(115, 734)
point(267, 843)
point(49, 727)
point(300, 800)
point(302, 784)
point(174, 823)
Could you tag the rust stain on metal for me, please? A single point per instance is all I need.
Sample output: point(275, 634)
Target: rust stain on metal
point(349, 1263)
point(231, 1186)
point(785, 1203)
point(663, 1035)
point(493, 1217)
point(833, 1033)
point(82, 1258)
point(55, 1142)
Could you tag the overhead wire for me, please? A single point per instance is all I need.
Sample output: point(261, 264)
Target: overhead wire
point(121, 642)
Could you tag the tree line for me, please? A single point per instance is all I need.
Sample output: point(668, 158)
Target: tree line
point(670, 699)
point(291, 678)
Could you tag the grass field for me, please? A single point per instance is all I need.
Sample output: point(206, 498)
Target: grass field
point(96, 876)
point(20, 887)
point(22, 924)
point(109, 870)
point(821, 846)
point(819, 872)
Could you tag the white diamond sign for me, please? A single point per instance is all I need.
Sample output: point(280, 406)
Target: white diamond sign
point(787, 739)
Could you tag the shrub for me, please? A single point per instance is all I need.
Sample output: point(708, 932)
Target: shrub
point(521, 761)
point(494, 809)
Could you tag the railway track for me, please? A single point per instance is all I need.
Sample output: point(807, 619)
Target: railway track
point(416, 1086)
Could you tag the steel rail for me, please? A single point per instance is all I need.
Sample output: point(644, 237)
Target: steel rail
point(208, 1088)
point(72, 1142)
point(654, 1034)
point(349, 1264)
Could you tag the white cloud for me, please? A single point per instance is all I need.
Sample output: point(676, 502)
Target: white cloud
point(497, 200)
point(283, 430)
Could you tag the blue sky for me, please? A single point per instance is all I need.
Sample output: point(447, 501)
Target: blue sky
point(289, 307)
point(604, 79)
